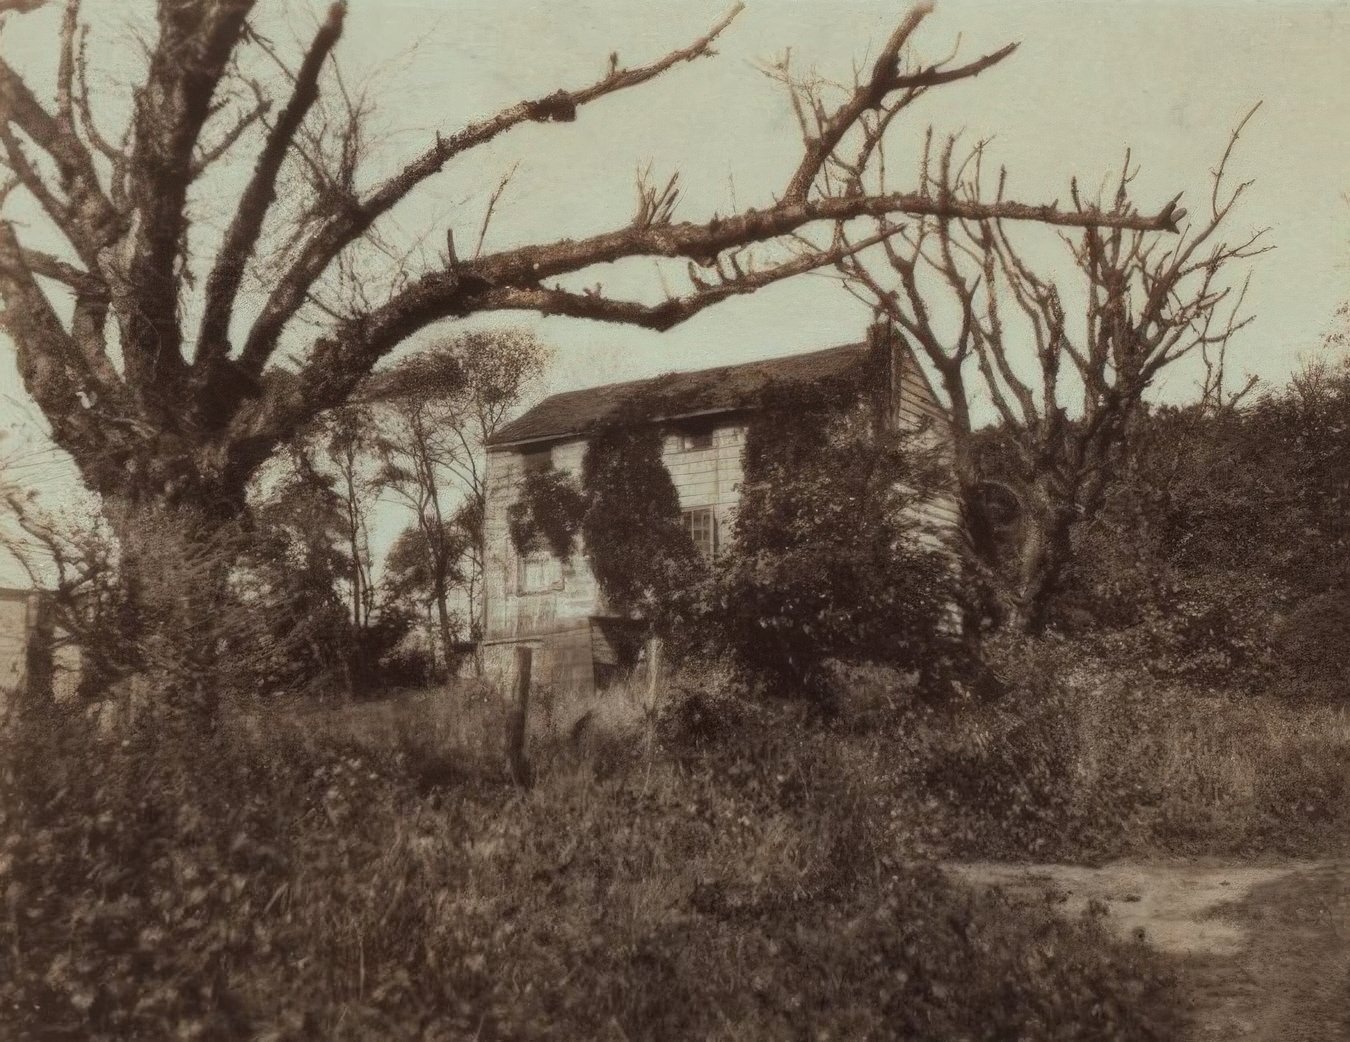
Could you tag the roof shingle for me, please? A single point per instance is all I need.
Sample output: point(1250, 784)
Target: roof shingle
point(726, 388)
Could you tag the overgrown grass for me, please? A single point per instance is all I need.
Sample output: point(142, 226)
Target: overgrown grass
point(1079, 763)
point(737, 877)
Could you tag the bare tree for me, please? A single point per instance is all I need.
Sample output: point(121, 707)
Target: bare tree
point(157, 412)
point(1064, 392)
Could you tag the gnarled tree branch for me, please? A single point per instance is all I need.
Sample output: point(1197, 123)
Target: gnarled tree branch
point(222, 286)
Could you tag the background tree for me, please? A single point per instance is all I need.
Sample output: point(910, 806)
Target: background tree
point(438, 409)
point(163, 383)
point(1221, 554)
point(416, 446)
point(294, 576)
point(1064, 392)
point(335, 464)
point(411, 574)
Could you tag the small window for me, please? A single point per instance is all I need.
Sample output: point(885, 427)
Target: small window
point(534, 461)
point(538, 573)
point(691, 441)
point(701, 524)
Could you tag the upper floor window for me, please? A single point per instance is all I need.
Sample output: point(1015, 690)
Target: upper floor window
point(691, 440)
point(533, 461)
point(538, 572)
point(701, 524)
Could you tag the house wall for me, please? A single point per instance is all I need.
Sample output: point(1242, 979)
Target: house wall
point(918, 408)
point(556, 620)
point(708, 477)
point(702, 477)
point(18, 625)
point(510, 612)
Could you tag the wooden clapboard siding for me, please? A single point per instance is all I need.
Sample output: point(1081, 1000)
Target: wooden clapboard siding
point(707, 477)
point(918, 409)
point(567, 613)
point(508, 611)
point(16, 613)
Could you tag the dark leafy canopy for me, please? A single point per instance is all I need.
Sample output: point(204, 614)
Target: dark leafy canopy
point(829, 559)
point(410, 565)
point(1221, 554)
point(291, 575)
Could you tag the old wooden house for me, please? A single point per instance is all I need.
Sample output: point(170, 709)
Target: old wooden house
point(555, 606)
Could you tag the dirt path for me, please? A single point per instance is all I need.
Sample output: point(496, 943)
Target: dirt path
point(1263, 951)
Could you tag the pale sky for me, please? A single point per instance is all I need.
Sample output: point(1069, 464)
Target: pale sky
point(1090, 78)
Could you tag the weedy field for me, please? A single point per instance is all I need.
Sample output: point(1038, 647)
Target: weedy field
point(714, 868)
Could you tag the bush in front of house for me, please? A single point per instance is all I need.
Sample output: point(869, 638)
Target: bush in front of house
point(831, 562)
point(176, 884)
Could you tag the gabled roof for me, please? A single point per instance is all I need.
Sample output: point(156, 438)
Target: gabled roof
point(728, 388)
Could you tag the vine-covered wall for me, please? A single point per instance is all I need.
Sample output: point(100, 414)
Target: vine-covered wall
point(707, 476)
point(625, 507)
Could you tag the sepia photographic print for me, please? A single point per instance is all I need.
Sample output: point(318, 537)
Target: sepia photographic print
point(617, 521)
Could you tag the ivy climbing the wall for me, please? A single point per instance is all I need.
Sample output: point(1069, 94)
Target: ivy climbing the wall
point(829, 562)
point(626, 509)
point(638, 547)
point(547, 514)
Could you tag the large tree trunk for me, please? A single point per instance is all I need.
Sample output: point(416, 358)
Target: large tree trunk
point(1015, 585)
point(176, 616)
point(1044, 551)
point(443, 621)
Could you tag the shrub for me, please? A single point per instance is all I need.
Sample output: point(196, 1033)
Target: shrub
point(1082, 761)
point(829, 560)
point(1314, 647)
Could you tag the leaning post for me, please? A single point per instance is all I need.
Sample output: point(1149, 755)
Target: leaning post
point(516, 753)
point(654, 668)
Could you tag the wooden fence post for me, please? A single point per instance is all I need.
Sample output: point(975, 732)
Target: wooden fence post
point(654, 666)
point(516, 752)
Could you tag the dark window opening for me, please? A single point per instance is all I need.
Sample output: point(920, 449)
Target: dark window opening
point(692, 440)
point(535, 461)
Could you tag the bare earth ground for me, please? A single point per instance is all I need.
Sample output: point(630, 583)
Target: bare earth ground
point(1263, 951)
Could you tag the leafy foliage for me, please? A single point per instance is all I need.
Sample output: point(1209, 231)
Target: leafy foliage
point(304, 887)
point(409, 564)
point(638, 549)
point(549, 511)
point(1221, 532)
point(291, 575)
point(1080, 760)
point(829, 560)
